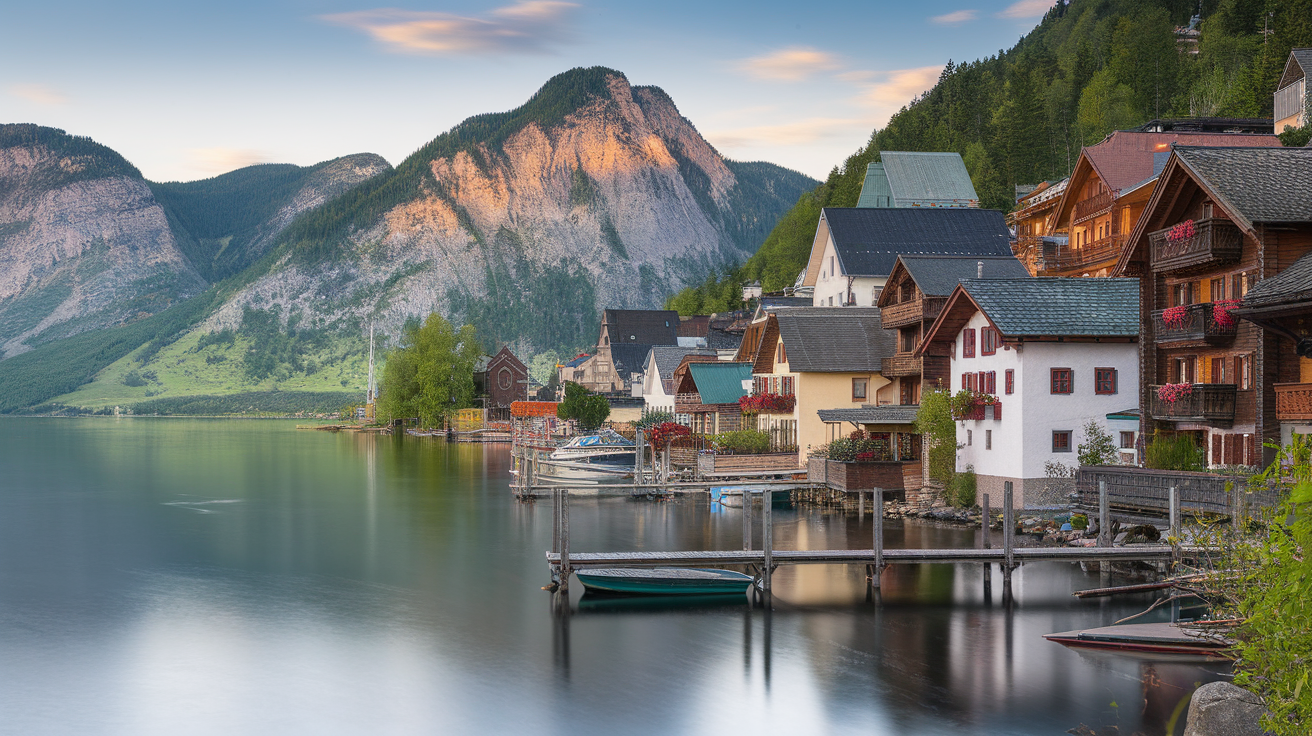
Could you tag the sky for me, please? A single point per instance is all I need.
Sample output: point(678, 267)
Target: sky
point(188, 90)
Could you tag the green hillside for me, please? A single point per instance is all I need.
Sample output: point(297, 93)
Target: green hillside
point(1021, 117)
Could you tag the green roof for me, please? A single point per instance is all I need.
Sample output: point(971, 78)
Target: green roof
point(720, 383)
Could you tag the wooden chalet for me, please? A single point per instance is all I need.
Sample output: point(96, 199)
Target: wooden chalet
point(917, 289)
point(1282, 305)
point(505, 381)
point(1220, 222)
point(1291, 91)
point(1107, 193)
point(1030, 220)
point(708, 393)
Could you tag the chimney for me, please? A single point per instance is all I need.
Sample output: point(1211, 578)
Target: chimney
point(979, 269)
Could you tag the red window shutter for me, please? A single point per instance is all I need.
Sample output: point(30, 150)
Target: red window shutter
point(993, 382)
point(1217, 454)
point(968, 343)
point(965, 381)
point(997, 410)
point(1011, 380)
point(1233, 452)
point(1250, 450)
point(1239, 369)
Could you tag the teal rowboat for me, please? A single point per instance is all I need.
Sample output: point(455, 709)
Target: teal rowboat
point(663, 581)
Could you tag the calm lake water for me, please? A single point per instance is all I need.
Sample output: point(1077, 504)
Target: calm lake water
point(169, 576)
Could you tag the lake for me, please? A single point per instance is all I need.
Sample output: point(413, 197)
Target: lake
point(168, 576)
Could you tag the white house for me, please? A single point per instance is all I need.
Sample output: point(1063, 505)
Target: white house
point(1053, 353)
point(658, 374)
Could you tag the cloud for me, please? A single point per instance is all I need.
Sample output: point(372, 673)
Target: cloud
point(212, 161)
point(38, 93)
point(899, 86)
point(1027, 9)
point(792, 64)
point(528, 26)
point(956, 17)
point(786, 134)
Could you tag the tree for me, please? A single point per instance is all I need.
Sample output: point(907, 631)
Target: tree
point(934, 421)
point(583, 406)
point(1098, 447)
point(431, 376)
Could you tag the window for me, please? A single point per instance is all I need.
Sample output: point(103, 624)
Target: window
point(1011, 380)
point(1062, 382)
point(859, 388)
point(831, 301)
point(988, 338)
point(1182, 370)
point(1183, 294)
point(968, 343)
point(1104, 380)
point(988, 439)
point(783, 352)
point(1221, 371)
point(991, 380)
point(970, 438)
point(965, 381)
point(1246, 372)
point(1127, 440)
point(908, 339)
point(831, 266)
point(1218, 289)
point(1061, 440)
point(786, 385)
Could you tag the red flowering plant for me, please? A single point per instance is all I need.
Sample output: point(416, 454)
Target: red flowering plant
point(663, 434)
point(1182, 231)
point(767, 404)
point(967, 404)
point(1173, 392)
point(1175, 317)
point(1221, 313)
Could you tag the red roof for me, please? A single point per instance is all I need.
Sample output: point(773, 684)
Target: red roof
point(533, 409)
point(1125, 158)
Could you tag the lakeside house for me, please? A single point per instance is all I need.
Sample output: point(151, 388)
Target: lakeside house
point(917, 289)
point(504, 380)
point(1043, 356)
point(1221, 221)
point(625, 338)
point(658, 374)
point(1282, 305)
point(1291, 91)
point(708, 393)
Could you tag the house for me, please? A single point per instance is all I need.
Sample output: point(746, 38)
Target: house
point(823, 359)
point(505, 380)
point(658, 374)
point(1291, 91)
point(1030, 221)
point(1282, 305)
point(708, 393)
point(1044, 356)
point(1220, 221)
point(917, 289)
point(854, 248)
point(1108, 190)
point(622, 346)
point(572, 370)
point(917, 179)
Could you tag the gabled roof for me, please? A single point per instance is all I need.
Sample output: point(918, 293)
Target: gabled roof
point(717, 339)
point(829, 340)
point(668, 357)
point(1298, 66)
point(1291, 286)
point(694, 326)
point(505, 356)
point(939, 275)
point(642, 326)
point(720, 383)
point(628, 358)
point(869, 240)
point(1256, 184)
point(578, 361)
point(917, 179)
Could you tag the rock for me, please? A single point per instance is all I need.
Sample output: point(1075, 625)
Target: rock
point(1224, 709)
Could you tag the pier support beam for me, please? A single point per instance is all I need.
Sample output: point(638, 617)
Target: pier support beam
point(767, 537)
point(747, 520)
point(986, 544)
point(877, 497)
point(1008, 540)
point(1174, 501)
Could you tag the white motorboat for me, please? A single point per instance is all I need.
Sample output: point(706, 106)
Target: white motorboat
point(603, 456)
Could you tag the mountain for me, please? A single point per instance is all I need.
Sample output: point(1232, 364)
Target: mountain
point(593, 194)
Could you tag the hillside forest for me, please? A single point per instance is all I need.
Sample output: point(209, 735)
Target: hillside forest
point(1022, 116)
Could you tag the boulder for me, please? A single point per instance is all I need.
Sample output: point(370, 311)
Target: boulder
point(1224, 709)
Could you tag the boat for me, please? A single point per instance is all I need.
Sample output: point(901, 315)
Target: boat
point(1158, 638)
point(594, 458)
point(663, 581)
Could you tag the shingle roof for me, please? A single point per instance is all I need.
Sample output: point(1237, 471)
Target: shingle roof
point(717, 339)
point(1084, 307)
point(869, 240)
point(694, 326)
point(668, 357)
point(771, 303)
point(939, 275)
point(1301, 58)
point(720, 383)
point(1292, 285)
point(628, 358)
point(643, 326)
point(1257, 184)
point(919, 178)
point(1125, 158)
point(835, 340)
point(892, 414)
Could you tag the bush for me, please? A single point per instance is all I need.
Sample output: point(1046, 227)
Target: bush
point(652, 418)
point(962, 490)
point(743, 442)
point(1175, 452)
point(133, 378)
point(1098, 447)
point(934, 420)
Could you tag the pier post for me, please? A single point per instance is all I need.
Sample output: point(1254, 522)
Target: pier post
point(986, 544)
point(767, 535)
point(877, 497)
point(1175, 512)
point(747, 520)
point(861, 506)
point(1104, 518)
point(1237, 501)
point(564, 539)
point(1008, 539)
point(638, 452)
point(555, 520)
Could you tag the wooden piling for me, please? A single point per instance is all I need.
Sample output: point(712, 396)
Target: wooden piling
point(985, 544)
point(747, 520)
point(1174, 512)
point(877, 496)
point(564, 539)
point(767, 537)
point(1008, 540)
point(1104, 517)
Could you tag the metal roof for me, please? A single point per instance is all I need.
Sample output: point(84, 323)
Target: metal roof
point(835, 340)
point(720, 383)
point(1070, 307)
point(928, 179)
point(869, 240)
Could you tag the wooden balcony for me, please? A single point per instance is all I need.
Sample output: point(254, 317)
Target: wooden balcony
point(1199, 325)
point(1207, 402)
point(900, 366)
point(1293, 402)
point(924, 309)
point(1095, 205)
point(1057, 259)
point(1216, 241)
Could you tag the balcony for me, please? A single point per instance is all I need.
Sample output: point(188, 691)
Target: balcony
point(1216, 241)
point(1293, 402)
point(901, 365)
point(1199, 324)
point(1207, 402)
point(911, 312)
point(1056, 259)
point(1095, 205)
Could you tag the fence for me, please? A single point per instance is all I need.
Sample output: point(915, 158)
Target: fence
point(1140, 490)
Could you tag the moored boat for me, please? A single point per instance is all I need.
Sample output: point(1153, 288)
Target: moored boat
point(1157, 638)
point(664, 581)
point(603, 456)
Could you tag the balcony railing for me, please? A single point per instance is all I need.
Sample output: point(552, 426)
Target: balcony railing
point(1094, 205)
point(912, 312)
point(1054, 257)
point(1206, 402)
point(1293, 402)
point(901, 365)
point(1198, 324)
point(1215, 241)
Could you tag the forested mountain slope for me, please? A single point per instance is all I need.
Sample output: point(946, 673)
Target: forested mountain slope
point(1020, 117)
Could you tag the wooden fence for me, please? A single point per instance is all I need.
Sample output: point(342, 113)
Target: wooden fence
point(1144, 491)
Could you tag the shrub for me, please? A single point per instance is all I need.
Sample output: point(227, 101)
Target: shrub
point(963, 488)
point(652, 418)
point(743, 441)
point(133, 378)
point(1175, 452)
